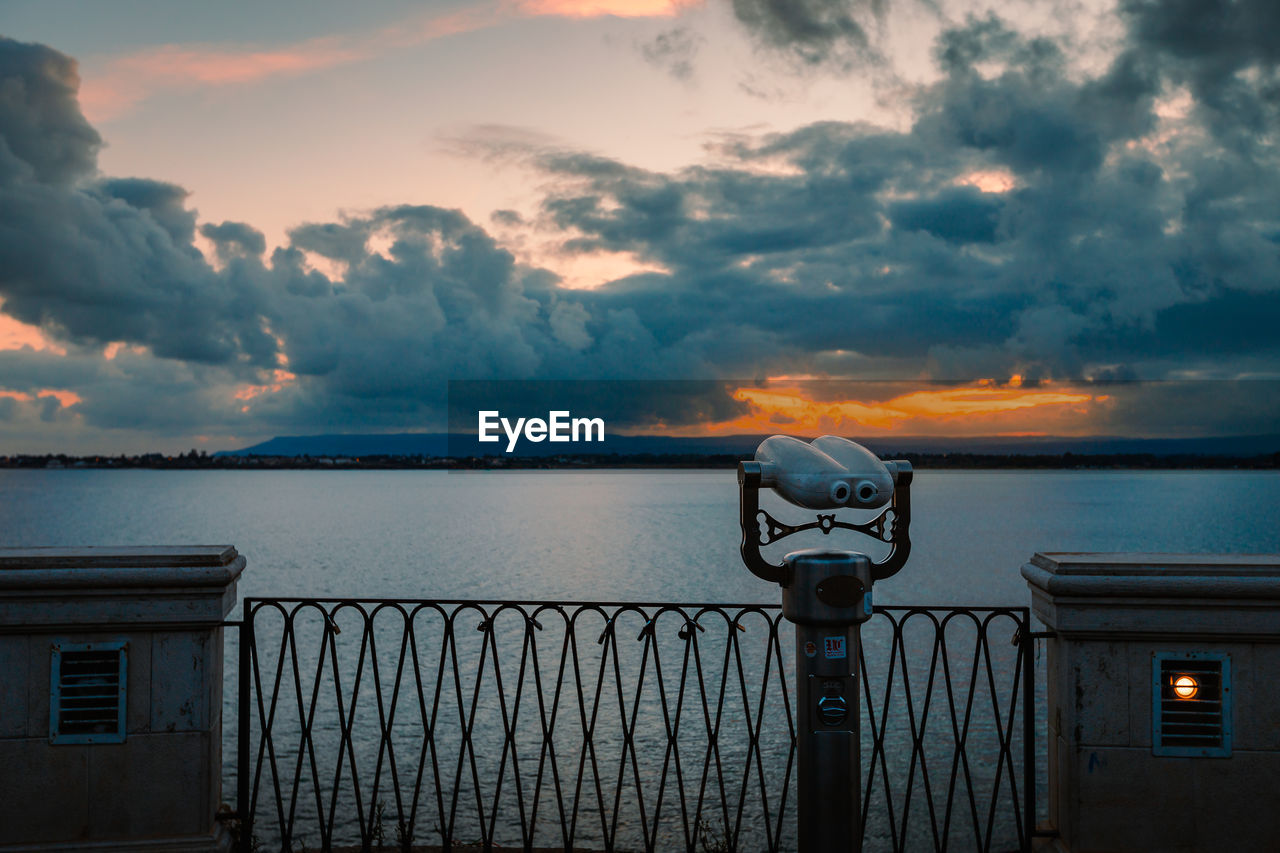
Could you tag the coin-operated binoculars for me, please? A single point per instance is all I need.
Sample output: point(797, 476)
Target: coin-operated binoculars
point(827, 594)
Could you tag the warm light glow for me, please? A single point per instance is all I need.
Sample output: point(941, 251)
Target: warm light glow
point(331, 268)
point(1185, 687)
point(596, 8)
point(64, 398)
point(1176, 105)
point(128, 79)
point(280, 379)
point(220, 67)
point(131, 78)
point(15, 334)
point(934, 404)
point(989, 180)
point(578, 270)
point(589, 271)
point(113, 349)
point(984, 408)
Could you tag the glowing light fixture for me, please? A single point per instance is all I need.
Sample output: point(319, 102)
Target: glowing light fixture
point(1191, 703)
point(1185, 687)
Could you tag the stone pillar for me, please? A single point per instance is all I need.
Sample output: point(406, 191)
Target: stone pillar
point(1127, 625)
point(145, 777)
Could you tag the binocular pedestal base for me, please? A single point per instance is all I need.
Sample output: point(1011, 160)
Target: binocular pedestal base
point(829, 775)
point(828, 599)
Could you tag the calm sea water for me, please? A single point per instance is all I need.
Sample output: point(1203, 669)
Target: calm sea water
point(649, 536)
point(617, 535)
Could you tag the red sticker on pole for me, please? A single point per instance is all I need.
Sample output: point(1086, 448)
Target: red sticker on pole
point(810, 649)
point(833, 647)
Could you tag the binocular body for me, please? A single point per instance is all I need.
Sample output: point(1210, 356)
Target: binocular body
point(828, 473)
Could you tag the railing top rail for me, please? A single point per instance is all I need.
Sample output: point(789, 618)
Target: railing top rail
point(534, 602)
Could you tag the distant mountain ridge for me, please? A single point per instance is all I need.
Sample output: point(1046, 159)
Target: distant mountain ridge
point(353, 445)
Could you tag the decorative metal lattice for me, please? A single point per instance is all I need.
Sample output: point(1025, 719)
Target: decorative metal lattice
point(415, 724)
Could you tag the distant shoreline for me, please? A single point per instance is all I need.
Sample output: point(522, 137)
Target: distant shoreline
point(923, 461)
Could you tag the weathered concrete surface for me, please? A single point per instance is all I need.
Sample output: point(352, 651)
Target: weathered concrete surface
point(106, 586)
point(1205, 595)
point(160, 789)
point(1112, 614)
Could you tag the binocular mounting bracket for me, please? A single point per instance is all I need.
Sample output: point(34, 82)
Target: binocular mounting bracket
point(759, 528)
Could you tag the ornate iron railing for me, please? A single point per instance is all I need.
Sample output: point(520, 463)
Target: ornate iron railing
point(415, 724)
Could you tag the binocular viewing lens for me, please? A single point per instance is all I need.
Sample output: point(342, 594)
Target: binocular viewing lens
point(829, 473)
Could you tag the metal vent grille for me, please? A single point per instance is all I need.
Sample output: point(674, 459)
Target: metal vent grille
point(87, 692)
point(1191, 713)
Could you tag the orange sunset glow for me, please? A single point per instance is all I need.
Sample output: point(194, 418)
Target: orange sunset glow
point(595, 8)
point(279, 379)
point(982, 408)
point(15, 334)
point(989, 180)
point(65, 398)
point(129, 78)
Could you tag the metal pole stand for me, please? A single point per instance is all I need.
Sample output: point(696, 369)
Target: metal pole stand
point(828, 600)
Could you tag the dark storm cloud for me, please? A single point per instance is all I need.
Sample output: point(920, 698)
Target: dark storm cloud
point(1091, 262)
point(339, 242)
point(130, 391)
point(1225, 51)
point(45, 135)
point(100, 260)
point(1031, 117)
point(164, 203)
point(814, 31)
point(1233, 322)
point(836, 246)
point(1190, 408)
point(27, 371)
point(234, 239)
point(960, 215)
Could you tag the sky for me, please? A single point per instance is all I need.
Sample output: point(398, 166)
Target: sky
point(223, 222)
